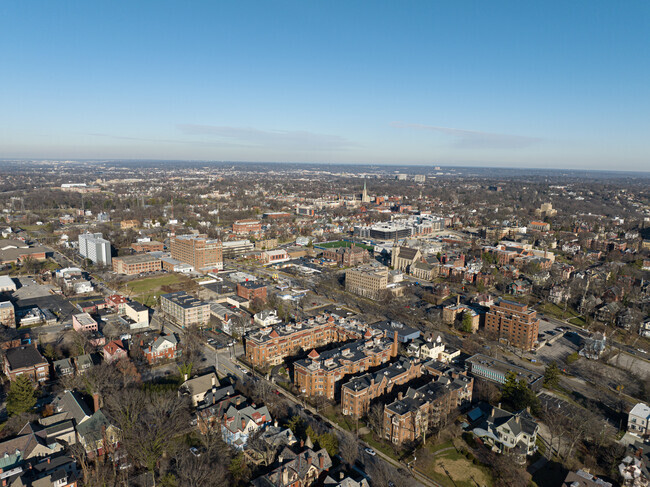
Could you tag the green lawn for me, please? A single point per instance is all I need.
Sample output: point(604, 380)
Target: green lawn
point(345, 422)
point(557, 311)
point(153, 283)
point(578, 321)
point(341, 243)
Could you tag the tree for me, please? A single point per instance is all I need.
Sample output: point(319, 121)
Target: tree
point(21, 397)
point(376, 419)
point(518, 395)
point(348, 448)
point(551, 376)
point(467, 322)
point(330, 443)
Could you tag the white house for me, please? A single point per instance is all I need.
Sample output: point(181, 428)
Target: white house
point(638, 421)
point(267, 318)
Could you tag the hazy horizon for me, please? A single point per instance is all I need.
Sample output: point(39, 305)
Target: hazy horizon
point(508, 84)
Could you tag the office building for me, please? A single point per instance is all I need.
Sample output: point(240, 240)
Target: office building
point(95, 248)
point(198, 251)
point(136, 264)
point(513, 323)
point(7, 314)
point(489, 368)
point(367, 281)
point(185, 309)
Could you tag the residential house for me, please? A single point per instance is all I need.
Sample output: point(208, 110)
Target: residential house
point(301, 469)
point(85, 362)
point(63, 367)
point(239, 424)
point(583, 479)
point(162, 348)
point(267, 317)
point(114, 351)
point(638, 420)
point(510, 432)
point(198, 387)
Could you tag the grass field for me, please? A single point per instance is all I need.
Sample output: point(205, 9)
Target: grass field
point(557, 311)
point(443, 463)
point(341, 243)
point(146, 291)
point(578, 321)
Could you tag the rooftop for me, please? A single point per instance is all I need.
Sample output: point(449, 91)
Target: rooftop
point(184, 300)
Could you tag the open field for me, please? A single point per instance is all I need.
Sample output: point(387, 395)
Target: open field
point(558, 312)
point(443, 463)
point(341, 243)
point(147, 291)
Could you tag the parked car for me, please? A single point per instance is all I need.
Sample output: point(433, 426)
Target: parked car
point(195, 451)
point(370, 451)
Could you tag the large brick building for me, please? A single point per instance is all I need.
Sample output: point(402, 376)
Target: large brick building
point(28, 361)
point(7, 314)
point(347, 256)
point(367, 281)
point(198, 251)
point(513, 322)
point(136, 264)
point(246, 226)
point(150, 246)
point(419, 410)
point(320, 374)
point(185, 309)
point(251, 290)
point(357, 394)
point(271, 345)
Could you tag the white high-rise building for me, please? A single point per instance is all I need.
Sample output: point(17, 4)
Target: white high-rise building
point(92, 246)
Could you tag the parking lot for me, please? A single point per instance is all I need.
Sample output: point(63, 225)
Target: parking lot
point(559, 343)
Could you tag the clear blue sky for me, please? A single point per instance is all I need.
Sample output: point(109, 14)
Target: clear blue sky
point(520, 83)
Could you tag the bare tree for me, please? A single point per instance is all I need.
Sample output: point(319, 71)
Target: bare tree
point(348, 448)
point(376, 419)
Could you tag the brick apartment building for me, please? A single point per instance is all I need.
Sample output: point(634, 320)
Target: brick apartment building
point(271, 345)
point(320, 374)
point(246, 226)
point(151, 246)
point(513, 322)
point(7, 314)
point(185, 309)
point(28, 361)
point(136, 264)
point(421, 409)
point(251, 290)
point(357, 394)
point(198, 251)
point(347, 256)
point(367, 281)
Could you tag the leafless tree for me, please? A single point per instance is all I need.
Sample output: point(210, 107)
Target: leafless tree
point(348, 447)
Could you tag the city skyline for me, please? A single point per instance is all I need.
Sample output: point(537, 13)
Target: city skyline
point(554, 85)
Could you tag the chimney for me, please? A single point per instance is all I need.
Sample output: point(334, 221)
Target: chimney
point(308, 461)
point(95, 402)
point(394, 349)
point(302, 443)
point(214, 380)
point(400, 396)
point(185, 377)
point(243, 424)
point(285, 475)
point(321, 461)
point(49, 459)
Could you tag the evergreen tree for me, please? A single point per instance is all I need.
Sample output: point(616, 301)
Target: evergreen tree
point(551, 375)
point(21, 397)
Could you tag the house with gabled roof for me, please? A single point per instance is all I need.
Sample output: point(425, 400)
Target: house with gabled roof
point(164, 347)
point(507, 432)
point(301, 469)
point(114, 351)
point(238, 424)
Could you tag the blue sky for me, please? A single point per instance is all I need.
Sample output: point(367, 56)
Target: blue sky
point(530, 84)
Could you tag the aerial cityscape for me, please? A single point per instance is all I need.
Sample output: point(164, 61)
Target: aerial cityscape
point(310, 244)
